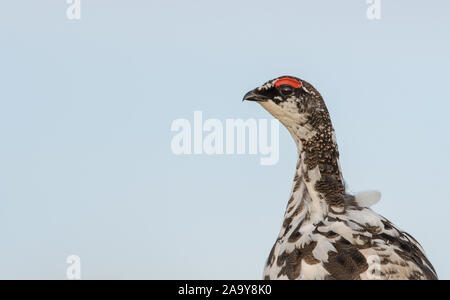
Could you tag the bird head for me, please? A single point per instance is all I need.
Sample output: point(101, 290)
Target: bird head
point(295, 103)
point(301, 109)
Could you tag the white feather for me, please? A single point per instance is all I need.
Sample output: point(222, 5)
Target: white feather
point(367, 198)
point(313, 272)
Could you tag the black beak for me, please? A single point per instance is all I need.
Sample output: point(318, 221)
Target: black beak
point(254, 96)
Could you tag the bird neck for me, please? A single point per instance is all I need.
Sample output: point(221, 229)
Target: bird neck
point(318, 183)
point(318, 187)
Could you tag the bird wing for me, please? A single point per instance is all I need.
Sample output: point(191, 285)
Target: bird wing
point(389, 252)
point(358, 244)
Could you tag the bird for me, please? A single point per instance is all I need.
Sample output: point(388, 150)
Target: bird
point(328, 233)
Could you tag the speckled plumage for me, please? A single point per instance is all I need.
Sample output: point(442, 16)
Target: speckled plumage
point(327, 233)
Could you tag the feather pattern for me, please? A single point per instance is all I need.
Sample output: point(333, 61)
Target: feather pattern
point(358, 244)
point(326, 232)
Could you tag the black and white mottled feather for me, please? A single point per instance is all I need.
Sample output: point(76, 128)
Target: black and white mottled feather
point(327, 233)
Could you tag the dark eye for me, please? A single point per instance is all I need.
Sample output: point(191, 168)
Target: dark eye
point(286, 90)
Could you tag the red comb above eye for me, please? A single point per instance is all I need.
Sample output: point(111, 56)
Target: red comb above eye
point(289, 81)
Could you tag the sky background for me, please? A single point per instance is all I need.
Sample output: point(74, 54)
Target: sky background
point(86, 108)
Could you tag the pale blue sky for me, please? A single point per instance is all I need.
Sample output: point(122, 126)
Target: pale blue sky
point(86, 108)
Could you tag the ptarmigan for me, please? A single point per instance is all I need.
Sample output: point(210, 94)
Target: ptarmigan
point(327, 233)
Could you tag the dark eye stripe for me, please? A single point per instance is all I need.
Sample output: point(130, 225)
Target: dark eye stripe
point(286, 89)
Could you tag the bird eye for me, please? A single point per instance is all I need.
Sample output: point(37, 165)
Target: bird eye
point(286, 89)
